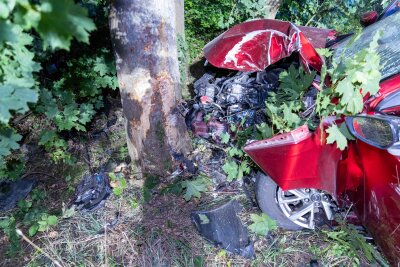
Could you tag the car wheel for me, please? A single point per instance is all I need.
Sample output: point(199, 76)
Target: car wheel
point(293, 209)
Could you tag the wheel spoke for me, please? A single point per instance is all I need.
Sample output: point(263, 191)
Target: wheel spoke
point(311, 223)
point(290, 199)
point(299, 193)
point(306, 209)
point(328, 210)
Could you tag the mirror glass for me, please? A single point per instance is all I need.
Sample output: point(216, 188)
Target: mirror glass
point(374, 131)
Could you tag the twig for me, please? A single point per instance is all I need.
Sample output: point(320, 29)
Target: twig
point(105, 245)
point(19, 232)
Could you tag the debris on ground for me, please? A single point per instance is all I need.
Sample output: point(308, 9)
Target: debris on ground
point(12, 192)
point(222, 227)
point(92, 192)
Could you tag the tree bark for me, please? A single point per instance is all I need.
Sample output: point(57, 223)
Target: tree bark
point(144, 41)
point(272, 7)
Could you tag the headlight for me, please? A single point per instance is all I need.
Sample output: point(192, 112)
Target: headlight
point(379, 131)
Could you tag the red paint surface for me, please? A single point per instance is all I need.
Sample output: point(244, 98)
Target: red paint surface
point(254, 45)
point(369, 17)
point(298, 159)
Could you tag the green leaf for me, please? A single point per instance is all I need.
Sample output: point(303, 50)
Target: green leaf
point(326, 52)
point(194, 188)
point(234, 151)
point(52, 220)
point(117, 191)
point(336, 136)
point(8, 141)
point(262, 224)
point(204, 219)
point(231, 169)
point(264, 131)
point(245, 166)
point(7, 31)
point(33, 230)
point(62, 20)
point(47, 136)
point(15, 99)
point(225, 138)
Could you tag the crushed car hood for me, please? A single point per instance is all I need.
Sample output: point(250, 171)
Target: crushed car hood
point(254, 45)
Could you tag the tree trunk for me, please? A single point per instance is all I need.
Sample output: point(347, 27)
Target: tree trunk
point(144, 40)
point(272, 7)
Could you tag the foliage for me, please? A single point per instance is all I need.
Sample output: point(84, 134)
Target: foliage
point(352, 79)
point(36, 75)
point(194, 188)
point(346, 243)
point(237, 163)
point(284, 105)
point(262, 224)
point(30, 214)
point(56, 146)
point(205, 19)
point(343, 16)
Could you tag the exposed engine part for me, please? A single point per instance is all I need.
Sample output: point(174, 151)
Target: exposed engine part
point(225, 100)
point(239, 98)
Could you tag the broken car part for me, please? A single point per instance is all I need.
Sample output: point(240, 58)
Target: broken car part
point(92, 192)
point(12, 192)
point(222, 227)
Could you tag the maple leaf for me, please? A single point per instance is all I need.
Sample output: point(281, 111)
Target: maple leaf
point(262, 224)
point(60, 21)
point(231, 169)
point(194, 188)
point(336, 136)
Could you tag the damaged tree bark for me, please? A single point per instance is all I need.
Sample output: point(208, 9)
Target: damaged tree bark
point(144, 40)
point(272, 7)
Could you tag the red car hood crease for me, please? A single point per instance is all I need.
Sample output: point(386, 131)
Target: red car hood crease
point(254, 45)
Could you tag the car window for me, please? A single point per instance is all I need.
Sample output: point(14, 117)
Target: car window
point(388, 49)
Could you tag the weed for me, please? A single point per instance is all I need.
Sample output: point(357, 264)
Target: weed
point(118, 183)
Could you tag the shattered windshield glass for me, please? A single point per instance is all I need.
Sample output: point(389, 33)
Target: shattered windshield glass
point(388, 49)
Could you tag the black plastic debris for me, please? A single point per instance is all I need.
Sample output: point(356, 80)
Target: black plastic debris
point(92, 192)
point(222, 227)
point(12, 192)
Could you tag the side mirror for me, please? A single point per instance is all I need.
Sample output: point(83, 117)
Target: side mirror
point(378, 131)
point(369, 18)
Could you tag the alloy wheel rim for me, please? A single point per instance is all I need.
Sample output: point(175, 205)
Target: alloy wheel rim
point(302, 206)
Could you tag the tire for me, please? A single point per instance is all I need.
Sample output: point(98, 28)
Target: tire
point(266, 190)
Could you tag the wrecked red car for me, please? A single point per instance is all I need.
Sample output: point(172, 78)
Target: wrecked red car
point(305, 180)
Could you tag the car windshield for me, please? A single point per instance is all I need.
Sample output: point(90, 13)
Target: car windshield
point(388, 49)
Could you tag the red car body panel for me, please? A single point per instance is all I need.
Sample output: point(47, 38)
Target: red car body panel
point(254, 45)
point(388, 87)
point(298, 159)
point(379, 211)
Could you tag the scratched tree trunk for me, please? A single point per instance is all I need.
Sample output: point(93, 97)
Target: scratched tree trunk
point(272, 7)
point(144, 40)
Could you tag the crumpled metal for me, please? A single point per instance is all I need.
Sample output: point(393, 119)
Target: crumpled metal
point(257, 44)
